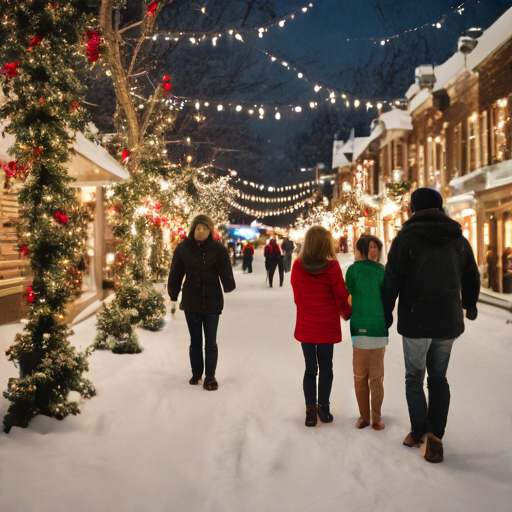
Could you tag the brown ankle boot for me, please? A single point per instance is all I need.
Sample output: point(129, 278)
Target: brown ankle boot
point(311, 415)
point(434, 449)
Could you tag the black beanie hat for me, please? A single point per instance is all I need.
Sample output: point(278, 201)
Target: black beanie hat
point(201, 219)
point(426, 199)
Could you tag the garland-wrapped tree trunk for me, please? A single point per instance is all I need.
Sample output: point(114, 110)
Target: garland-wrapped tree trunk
point(42, 58)
point(140, 202)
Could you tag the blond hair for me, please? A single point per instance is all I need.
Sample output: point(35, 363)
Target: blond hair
point(317, 249)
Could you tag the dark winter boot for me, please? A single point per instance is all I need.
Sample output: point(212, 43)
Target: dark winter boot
point(211, 386)
point(324, 414)
point(194, 380)
point(434, 449)
point(311, 415)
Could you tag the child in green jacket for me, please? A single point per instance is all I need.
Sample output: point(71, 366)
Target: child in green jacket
point(364, 280)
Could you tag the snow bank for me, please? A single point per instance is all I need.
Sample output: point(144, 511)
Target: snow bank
point(151, 442)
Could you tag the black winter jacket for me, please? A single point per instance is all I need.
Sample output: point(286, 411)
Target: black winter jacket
point(430, 265)
point(203, 264)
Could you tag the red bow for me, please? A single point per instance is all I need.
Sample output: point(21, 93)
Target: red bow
point(125, 156)
point(11, 69)
point(151, 8)
point(61, 218)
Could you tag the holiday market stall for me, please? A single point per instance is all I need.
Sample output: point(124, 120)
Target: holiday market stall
point(93, 169)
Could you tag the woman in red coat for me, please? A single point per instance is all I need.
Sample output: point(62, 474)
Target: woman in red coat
point(321, 298)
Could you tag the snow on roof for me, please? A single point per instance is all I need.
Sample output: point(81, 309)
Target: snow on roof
point(412, 91)
point(99, 156)
point(396, 119)
point(355, 146)
point(338, 158)
point(360, 144)
point(491, 40)
point(89, 157)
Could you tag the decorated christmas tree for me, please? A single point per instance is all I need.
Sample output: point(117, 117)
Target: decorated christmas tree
point(42, 63)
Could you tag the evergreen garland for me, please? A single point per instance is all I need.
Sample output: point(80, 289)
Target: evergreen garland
point(42, 62)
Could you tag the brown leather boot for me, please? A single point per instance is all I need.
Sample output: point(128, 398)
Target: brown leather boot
point(311, 415)
point(434, 449)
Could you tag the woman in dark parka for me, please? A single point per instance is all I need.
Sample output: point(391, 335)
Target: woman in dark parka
point(203, 261)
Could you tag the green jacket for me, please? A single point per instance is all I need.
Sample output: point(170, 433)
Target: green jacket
point(364, 280)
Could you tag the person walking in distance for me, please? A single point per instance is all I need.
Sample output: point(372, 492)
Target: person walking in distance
point(248, 255)
point(321, 298)
point(431, 267)
point(205, 263)
point(287, 247)
point(364, 280)
point(272, 255)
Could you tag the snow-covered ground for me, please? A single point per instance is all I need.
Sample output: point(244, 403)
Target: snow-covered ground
point(151, 442)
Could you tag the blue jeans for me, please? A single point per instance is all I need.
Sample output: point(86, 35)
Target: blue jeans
point(432, 356)
point(197, 322)
point(318, 356)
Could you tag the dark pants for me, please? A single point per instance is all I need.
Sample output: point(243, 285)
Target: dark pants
point(271, 265)
point(318, 356)
point(247, 264)
point(280, 266)
point(196, 323)
point(288, 262)
point(432, 356)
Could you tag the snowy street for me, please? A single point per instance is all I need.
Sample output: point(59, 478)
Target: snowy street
point(151, 442)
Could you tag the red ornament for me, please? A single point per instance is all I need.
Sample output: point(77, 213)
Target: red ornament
point(11, 69)
point(92, 47)
point(151, 8)
point(61, 218)
point(125, 156)
point(166, 78)
point(167, 87)
point(30, 294)
point(37, 152)
point(74, 106)
point(41, 101)
point(35, 42)
point(24, 250)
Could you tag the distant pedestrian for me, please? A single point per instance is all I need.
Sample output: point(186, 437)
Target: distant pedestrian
point(432, 267)
point(272, 254)
point(287, 247)
point(364, 280)
point(248, 255)
point(205, 263)
point(321, 298)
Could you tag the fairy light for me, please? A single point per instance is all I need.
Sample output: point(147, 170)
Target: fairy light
point(238, 108)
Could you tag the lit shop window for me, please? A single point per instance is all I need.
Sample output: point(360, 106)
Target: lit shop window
point(473, 146)
point(508, 233)
point(421, 166)
point(499, 137)
point(484, 146)
point(486, 234)
point(457, 151)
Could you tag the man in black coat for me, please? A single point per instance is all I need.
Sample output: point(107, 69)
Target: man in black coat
point(203, 261)
point(431, 266)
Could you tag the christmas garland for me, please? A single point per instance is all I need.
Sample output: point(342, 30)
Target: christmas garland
point(42, 65)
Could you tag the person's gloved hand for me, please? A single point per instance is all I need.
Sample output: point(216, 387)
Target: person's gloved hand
point(471, 313)
point(389, 319)
point(173, 308)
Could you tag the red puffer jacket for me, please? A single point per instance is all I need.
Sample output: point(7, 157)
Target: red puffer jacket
point(321, 299)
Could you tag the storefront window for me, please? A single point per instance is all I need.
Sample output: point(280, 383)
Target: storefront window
point(473, 146)
point(87, 196)
point(457, 151)
point(421, 166)
point(499, 136)
point(484, 149)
